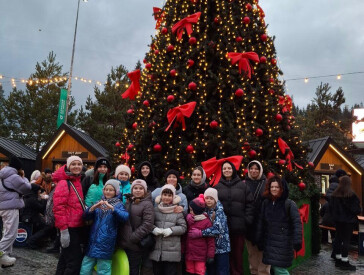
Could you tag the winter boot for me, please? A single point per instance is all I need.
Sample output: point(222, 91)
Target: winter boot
point(346, 266)
point(6, 260)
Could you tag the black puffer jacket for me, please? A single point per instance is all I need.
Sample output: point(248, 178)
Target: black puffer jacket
point(334, 183)
point(193, 191)
point(237, 201)
point(345, 209)
point(152, 182)
point(279, 232)
point(34, 207)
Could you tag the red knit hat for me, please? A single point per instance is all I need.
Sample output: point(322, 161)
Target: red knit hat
point(198, 205)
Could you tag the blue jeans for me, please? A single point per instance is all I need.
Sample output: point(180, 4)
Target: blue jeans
point(88, 264)
point(220, 265)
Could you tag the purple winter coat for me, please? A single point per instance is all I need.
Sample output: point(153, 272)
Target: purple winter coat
point(8, 199)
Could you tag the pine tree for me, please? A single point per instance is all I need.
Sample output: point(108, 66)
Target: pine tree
point(32, 114)
point(4, 131)
point(216, 57)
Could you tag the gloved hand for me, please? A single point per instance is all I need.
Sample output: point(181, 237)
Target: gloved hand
point(167, 232)
point(65, 238)
point(297, 247)
point(194, 233)
point(157, 231)
point(210, 260)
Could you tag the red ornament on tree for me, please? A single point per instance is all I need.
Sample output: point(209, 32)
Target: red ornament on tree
point(148, 66)
point(144, 61)
point(156, 52)
point(173, 72)
point(271, 91)
point(214, 124)
point(146, 103)
point(311, 164)
point(238, 39)
point(288, 128)
point(130, 111)
point(192, 86)
point(132, 169)
point(192, 40)
point(217, 20)
point(157, 147)
point(152, 124)
point(258, 132)
point(190, 149)
point(246, 145)
point(190, 62)
point(170, 98)
point(249, 7)
point(135, 125)
point(170, 48)
point(271, 80)
point(239, 92)
point(130, 146)
point(252, 153)
point(264, 37)
point(269, 175)
point(281, 162)
point(263, 59)
point(164, 30)
point(279, 117)
point(246, 20)
point(302, 186)
point(273, 61)
point(117, 144)
point(245, 171)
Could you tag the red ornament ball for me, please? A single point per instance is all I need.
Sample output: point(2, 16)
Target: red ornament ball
point(148, 66)
point(281, 162)
point(152, 124)
point(264, 37)
point(246, 20)
point(164, 30)
point(263, 59)
point(144, 61)
point(302, 186)
point(252, 153)
point(117, 144)
point(192, 40)
point(269, 175)
point(217, 20)
point(153, 77)
point(170, 48)
point(288, 128)
point(156, 52)
point(146, 103)
point(130, 146)
point(157, 147)
point(271, 80)
point(311, 164)
point(192, 86)
point(249, 7)
point(258, 132)
point(273, 61)
point(214, 124)
point(190, 62)
point(279, 117)
point(132, 169)
point(135, 125)
point(245, 171)
point(130, 111)
point(246, 145)
point(194, 1)
point(238, 39)
point(170, 98)
point(271, 91)
point(190, 149)
point(173, 72)
point(239, 92)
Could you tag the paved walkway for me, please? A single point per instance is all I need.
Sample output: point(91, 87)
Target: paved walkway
point(32, 262)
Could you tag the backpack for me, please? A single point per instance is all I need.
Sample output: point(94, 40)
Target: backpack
point(49, 215)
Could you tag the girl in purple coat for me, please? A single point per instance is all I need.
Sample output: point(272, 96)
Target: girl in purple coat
point(202, 249)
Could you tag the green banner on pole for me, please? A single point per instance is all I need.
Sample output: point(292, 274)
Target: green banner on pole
point(62, 107)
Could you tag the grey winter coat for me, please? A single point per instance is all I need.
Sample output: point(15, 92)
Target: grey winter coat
point(168, 249)
point(179, 193)
point(141, 216)
point(8, 199)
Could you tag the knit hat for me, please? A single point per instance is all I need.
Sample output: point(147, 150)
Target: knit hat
point(170, 187)
point(198, 205)
point(115, 184)
point(35, 175)
point(139, 182)
point(340, 172)
point(102, 161)
point(15, 163)
point(211, 192)
point(172, 172)
point(47, 171)
point(176, 198)
point(72, 159)
point(122, 168)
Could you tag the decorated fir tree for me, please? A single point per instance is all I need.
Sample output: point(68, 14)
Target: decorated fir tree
point(210, 89)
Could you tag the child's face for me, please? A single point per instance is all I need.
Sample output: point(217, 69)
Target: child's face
point(124, 176)
point(138, 191)
point(109, 192)
point(210, 202)
point(167, 198)
point(191, 212)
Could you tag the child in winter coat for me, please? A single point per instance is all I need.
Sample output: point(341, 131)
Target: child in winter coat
point(198, 250)
point(169, 226)
point(123, 174)
point(107, 214)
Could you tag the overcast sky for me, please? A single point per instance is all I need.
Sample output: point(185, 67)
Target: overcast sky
point(313, 38)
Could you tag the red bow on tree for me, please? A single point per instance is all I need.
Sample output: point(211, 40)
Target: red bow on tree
point(286, 150)
point(213, 167)
point(186, 23)
point(243, 59)
point(125, 157)
point(304, 215)
point(286, 103)
point(159, 15)
point(261, 14)
point(179, 113)
point(134, 87)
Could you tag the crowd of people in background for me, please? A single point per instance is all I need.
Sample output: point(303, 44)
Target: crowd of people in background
point(164, 228)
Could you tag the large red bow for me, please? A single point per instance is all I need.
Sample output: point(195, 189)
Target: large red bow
point(243, 59)
point(304, 215)
point(286, 150)
point(179, 113)
point(213, 167)
point(185, 23)
point(134, 87)
point(159, 15)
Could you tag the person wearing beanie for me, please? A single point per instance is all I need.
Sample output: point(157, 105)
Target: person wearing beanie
point(197, 184)
point(107, 214)
point(146, 172)
point(48, 171)
point(68, 208)
point(123, 174)
point(35, 176)
point(172, 177)
point(340, 173)
point(199, 250)
point(141, 219)
point(13, 185)
point(168, 229)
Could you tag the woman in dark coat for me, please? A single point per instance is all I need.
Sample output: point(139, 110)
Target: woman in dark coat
point(279, 229)
point(197, 184)
point(344, 208)
point(146, 172)
point(237, 201)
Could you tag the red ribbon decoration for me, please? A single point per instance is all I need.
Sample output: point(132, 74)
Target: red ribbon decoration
point(304, 215)
point(286, 103)
point(125, 157)
point(134, 87)
point(159, 15)
point(186, 23)
point(179, 113)
point(213, 167)
point(286, 150)
point(261, 14)
point(243, 59)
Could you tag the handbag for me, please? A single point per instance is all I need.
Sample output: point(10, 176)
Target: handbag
point(88, 222)
point(147, 242)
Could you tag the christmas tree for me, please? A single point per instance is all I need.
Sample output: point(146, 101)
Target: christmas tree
point(210, 89)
